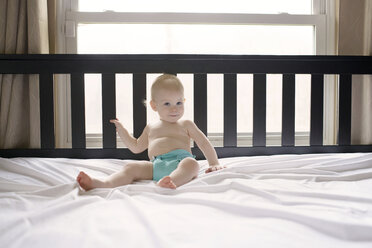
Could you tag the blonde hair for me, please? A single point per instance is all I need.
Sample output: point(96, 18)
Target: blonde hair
point(166, 81)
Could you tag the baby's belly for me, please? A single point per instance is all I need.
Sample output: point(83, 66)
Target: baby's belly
point(164, 145)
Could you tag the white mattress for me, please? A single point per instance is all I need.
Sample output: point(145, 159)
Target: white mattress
point(272, 201)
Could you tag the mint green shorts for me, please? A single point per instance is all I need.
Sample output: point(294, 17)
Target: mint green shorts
point(165, 164)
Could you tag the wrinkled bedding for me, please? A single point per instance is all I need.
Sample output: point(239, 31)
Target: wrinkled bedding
point(318, 200)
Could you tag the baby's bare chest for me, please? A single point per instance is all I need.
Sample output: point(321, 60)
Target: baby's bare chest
point(163, 131)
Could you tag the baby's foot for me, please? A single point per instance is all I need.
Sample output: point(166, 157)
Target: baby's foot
point(85, 181)
point(166, 182)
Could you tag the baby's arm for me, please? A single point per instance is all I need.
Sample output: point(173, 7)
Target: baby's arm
point(205, 146)
point(133, 144)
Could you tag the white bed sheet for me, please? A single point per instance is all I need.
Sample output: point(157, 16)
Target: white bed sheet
point(322, 200)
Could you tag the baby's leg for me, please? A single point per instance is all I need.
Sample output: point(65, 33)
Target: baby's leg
point(186, 171)
point(133, 171)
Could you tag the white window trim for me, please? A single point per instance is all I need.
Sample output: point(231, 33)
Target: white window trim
point(68, 17)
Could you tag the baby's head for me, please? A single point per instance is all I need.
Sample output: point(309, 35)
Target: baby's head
point(167, 97)
point(166, 82)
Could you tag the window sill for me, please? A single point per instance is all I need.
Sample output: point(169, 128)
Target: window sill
point(244, 140)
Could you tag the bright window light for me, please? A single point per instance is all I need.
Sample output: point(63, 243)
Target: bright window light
point(195, 39)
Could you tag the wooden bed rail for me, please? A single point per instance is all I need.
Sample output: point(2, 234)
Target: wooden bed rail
point(199, 65)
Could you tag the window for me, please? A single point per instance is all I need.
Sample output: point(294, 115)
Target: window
point(290, 27)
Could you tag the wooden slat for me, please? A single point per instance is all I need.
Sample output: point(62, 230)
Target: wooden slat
point(344, 130)
point(108, 110)
point(78, 111)
point(46, 111)
point(259, 110)
point(288, 110)
point(139, 109)
point(316, 113)
point(200, 102)
point(229, 117)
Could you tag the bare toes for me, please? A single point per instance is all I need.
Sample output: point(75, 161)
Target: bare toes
point(84, 181)
point(166, 182)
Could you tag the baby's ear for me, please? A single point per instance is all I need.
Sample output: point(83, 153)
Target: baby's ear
point(153, 105)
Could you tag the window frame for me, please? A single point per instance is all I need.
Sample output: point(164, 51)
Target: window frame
point(68, 18)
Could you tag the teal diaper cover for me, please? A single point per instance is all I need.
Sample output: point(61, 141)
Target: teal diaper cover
point(164, 164)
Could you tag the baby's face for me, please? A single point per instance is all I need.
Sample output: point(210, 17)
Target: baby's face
point(169, 104)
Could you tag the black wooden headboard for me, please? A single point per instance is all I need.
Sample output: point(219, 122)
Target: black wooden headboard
point(200, 66)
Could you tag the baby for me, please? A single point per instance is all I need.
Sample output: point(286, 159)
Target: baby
point(167, 141)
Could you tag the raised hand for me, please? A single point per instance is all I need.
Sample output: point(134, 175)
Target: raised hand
point(117, 123)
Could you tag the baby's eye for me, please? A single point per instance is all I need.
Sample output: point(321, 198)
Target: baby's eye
point(167, 104)
point(179, 103)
